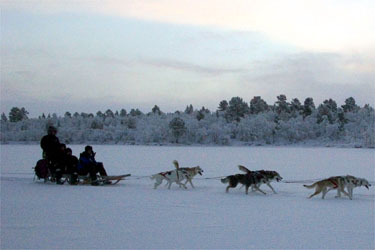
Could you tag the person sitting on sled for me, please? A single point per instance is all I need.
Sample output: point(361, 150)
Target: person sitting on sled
point(88, 165)
point(52, 151)
point(71, 166)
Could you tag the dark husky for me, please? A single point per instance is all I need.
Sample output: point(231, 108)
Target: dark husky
point(270, 176)
point(250, 179)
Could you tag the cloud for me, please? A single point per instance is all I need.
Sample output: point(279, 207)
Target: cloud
point(190, 67)
point(107, 60)
point(318, 25)
point(317, 75)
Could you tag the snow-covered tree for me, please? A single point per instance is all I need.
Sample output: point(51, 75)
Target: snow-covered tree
point(258, 105)
point(326, 125)
point(123, 113)
point(177, 126)
point(328, 109)
point(189, 109)
point(308, 106)
point(3, 117)
point(223, 105)
point(156, 110)
point(236, 110)
point(350, 105)
point(68, 115)
point(18, 114)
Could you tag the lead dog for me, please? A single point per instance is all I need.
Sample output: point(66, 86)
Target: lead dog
point(326, 185)
point(351, 182)
point(252, 179)
point(191, 172)
point(176, 176)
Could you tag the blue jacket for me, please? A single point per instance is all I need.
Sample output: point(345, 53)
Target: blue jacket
point(86, 161)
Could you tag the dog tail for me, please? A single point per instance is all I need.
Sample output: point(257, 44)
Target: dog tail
point(310, 186)
point(244, 169)
point(225, 180)
point(176, 165)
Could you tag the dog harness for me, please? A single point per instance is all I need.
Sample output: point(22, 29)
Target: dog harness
point(334, 184)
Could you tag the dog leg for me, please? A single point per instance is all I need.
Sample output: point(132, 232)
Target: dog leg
point(317, 191)
point(181, 184)
point(191, 183)
point(350, 197)
point(324, 192)
point(273, 190)
point(256, 187)
point(157, 183)
point(338, 193)
point(351, 191)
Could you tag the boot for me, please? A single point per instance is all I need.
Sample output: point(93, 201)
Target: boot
point(58, 176)
point(74, 179)
point(94, 183)
point(59, 182)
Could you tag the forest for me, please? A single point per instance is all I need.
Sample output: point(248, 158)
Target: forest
point(235, 122)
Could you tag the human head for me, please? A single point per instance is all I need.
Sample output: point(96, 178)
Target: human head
point(51, 130)
point(68, 151)
point(88, 149)
point(62, 146)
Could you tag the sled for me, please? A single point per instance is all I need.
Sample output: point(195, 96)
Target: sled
point(85, 179)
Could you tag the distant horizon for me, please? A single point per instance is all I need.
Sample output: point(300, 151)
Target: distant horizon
point(31, 113)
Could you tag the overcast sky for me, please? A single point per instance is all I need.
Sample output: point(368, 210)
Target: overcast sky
point(92, 55)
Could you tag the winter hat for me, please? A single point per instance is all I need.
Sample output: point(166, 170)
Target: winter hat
point(51, 129)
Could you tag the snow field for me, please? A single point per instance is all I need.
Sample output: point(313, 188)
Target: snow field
point(133, 215)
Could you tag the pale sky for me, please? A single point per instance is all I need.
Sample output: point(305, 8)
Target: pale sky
point(91, 55)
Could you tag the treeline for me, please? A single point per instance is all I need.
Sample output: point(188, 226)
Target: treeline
point(236, 122)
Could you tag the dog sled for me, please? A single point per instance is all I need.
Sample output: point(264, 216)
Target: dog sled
point(42, 173)
point(85, 179)
point(102, 180)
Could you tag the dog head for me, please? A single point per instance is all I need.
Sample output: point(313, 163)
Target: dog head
point(198, 170)
point(271, 175)
point(276, 176)
point(364, 182)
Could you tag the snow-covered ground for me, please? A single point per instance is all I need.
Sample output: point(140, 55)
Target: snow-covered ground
point(133, 215)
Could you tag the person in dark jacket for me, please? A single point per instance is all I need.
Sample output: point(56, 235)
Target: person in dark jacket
point(71, 166)
point(51, 149)
point(50, 144)
point(61, 163)
point(88, 165)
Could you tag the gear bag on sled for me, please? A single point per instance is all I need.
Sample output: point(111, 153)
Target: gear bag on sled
point(41, 169)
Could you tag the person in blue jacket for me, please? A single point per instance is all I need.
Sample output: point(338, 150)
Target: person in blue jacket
point(88, 165)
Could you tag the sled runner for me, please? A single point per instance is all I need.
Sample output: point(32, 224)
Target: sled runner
point(85, 179)
point(115, 178)
point(103, 180)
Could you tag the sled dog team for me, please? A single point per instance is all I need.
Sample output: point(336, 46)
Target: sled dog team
point(255, 179)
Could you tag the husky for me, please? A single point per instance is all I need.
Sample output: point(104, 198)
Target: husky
point(351, 182)
point(176, 175)
point(252, 179)
point(326, 185)
point(270, 176)
point(191, 172)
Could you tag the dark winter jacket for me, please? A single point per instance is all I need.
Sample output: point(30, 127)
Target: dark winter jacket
point(71, 164)
point(51, 146)
point(86, 161)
